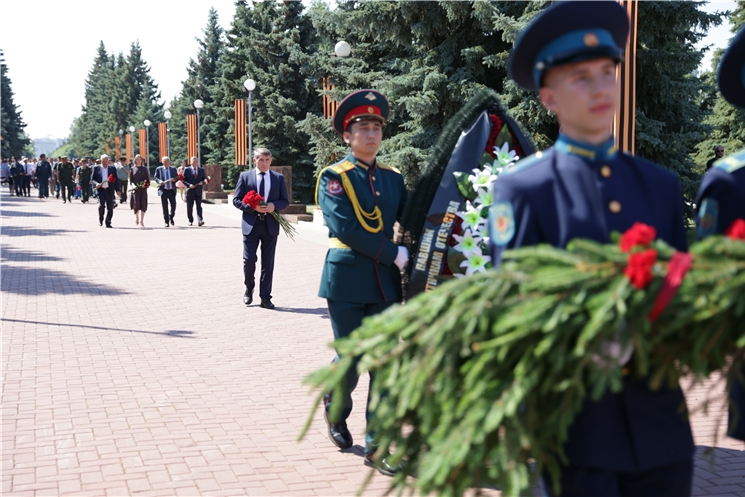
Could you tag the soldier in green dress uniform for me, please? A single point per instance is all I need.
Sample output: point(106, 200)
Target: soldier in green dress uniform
point(84, 176)
point(65, 176)
point(361, 199)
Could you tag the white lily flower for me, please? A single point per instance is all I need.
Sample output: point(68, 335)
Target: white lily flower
point(472, 218)
point(468, 244)
point(505, 156)
point(482, 178)
point(485, 198)
point(475, 264)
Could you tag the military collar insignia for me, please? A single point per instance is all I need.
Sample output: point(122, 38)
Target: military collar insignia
point(586, 151)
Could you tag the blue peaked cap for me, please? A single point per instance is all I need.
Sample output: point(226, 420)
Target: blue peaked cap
point(731, 75)
point(568, 32)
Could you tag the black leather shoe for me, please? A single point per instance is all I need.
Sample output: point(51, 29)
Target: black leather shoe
point(248, 297)
point(100, 223)
point(109, 226)
point(168, 225)
point(381, 465)
point(339, 433)
point(172, 223)
point(201, 223)
point(190, 224)
point(267, 304)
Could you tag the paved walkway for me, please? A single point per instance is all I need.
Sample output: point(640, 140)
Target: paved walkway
point(131, 366)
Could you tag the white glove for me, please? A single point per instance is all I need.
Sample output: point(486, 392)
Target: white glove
point(402, 259)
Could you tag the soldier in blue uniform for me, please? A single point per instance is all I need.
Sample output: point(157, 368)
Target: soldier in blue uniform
point(721, 198)
point(637, 442)
point(361, 199)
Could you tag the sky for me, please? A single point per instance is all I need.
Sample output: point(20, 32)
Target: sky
point(50, 46)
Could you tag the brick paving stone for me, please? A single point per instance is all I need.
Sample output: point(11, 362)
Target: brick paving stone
point(131, 366)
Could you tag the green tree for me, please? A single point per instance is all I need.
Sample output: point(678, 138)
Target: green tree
point(202, 73)
point(429, 58)
point(726, 120)
point(269, 42)
point(12, 127)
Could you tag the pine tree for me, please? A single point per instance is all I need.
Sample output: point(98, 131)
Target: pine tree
point(670, 123)
point(728, 121)
point(202, 74)
point(12, 127)
point(270, 43)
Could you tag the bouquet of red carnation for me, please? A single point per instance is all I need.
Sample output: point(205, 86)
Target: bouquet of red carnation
point(111, 179)
point(147, 183)
point(253, 200)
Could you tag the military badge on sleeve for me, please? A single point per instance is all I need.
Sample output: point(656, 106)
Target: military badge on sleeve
point(708, 218)
point(335, 188)
point(502, 223)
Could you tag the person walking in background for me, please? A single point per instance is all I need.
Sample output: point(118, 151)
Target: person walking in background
point(5, 175)
point(65, 175)
point(84, 178)
point(43, 173)
point(180, 183)
point(17, 172)
point(166, 176)
point(122, 171)
point(139, 179)
point(105, 180)
point(28, 173)
point(194, 178)
point(718, 154)
point(257, 227)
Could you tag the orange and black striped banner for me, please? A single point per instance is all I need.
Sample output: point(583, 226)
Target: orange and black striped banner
point(191, 135)
point(329, 105)
point(128, 146)
point(162, 140)
point(118, 144)
point(241, 142)
point(143, 143)
point(624, 128)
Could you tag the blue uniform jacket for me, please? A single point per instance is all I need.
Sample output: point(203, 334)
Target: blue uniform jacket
point(359, 264)
point(573, 190)
point(721, 200)
point(277, 195)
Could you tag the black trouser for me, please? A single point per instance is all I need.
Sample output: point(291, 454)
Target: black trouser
point(166, 197)
point(27, 185)
point(85, 189)
point(345, 318)
point(672, 480)
point(123, 193)
point(18, 184)
point(67, 184)
point(259, 234)
point(43, 187)
point(106, 199)
point(194, 198)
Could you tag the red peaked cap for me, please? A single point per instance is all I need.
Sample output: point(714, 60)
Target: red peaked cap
point(360, 105)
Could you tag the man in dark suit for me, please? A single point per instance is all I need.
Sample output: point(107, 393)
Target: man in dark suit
point(257, 226)
point(166, 177)
point(194, 179)
point(106, 189)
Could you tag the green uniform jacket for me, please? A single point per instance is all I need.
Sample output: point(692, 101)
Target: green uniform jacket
point(84, 173)
point(359, 264)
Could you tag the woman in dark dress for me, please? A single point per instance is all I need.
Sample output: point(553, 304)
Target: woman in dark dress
point(139, 180)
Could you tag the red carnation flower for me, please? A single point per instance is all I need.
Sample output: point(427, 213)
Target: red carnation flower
point(147, 183)
point(639, 268)
point(253, 199)
point(112, 179)
point(736, 230)
point(639, 234)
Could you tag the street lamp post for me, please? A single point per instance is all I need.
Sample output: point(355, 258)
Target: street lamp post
point(198, 104)
point(121, 135)
point(132, 139)
point(342, 49)
point(250, 85)
point(168, 116)
point(147, 142)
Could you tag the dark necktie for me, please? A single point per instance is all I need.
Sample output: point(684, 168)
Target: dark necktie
point(261, 186)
